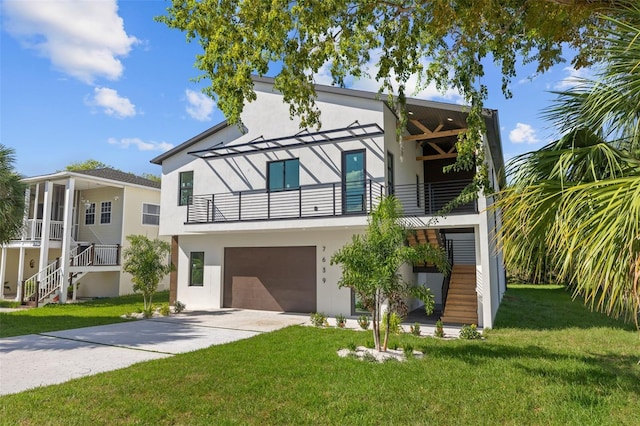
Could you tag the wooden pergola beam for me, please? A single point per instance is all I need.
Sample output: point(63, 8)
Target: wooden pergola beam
point(432, 135)
point(436, 156)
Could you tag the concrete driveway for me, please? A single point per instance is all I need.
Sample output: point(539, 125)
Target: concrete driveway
point(56, 357)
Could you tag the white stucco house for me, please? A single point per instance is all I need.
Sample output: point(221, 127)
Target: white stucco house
point(255, 214)
point(75, 228)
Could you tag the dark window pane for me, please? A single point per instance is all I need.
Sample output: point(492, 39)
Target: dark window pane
point(276, 176)
point(196, 274)
point(90, 214)
point(292, 174)
point(186, 188)
point(282, 175)
point(354, 183)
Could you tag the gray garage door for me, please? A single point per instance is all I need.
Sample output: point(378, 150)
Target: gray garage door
point(270, 278)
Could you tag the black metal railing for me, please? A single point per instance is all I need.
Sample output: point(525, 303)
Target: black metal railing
point(430, 197)
point(447, 278)
point(323, 200)
point(306, 201)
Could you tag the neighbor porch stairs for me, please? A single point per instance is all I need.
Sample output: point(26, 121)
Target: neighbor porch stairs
point(45, 286)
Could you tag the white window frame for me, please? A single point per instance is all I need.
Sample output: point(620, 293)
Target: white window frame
point(147, 214)
point(90, 209)
point(103, 211)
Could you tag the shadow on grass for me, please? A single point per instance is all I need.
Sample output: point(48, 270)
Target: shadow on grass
point(597, 370)
point(550, 308)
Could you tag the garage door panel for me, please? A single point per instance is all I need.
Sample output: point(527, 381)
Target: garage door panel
point(270, 278)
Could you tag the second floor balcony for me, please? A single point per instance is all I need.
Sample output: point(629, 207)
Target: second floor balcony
point(34, 227)
point(323, 200)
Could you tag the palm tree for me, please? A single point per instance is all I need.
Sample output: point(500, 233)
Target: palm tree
point(573, 207)
point(11, 197)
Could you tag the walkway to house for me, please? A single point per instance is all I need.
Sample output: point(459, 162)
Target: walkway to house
point(56, 357)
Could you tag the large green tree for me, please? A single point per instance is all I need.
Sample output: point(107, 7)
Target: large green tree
point(89, 164)
point(11, 196)
point(371, 264)
point(445, 42)
point(574, 206)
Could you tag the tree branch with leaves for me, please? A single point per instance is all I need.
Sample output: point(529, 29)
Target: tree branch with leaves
point(12, 191)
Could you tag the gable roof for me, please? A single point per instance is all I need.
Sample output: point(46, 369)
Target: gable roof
point(117, 175)
point(101, 177)
point(212, 130)
point(491, 120)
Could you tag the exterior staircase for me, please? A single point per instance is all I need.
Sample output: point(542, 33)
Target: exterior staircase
point(44, 286)
point(425, 236)
point(461, 306)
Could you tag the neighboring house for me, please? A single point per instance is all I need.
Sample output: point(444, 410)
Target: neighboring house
point(75, 228)
point(256, 213)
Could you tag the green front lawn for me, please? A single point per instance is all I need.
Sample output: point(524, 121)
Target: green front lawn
point(548, 361)
point(62, 317)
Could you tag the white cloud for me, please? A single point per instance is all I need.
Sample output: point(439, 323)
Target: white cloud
point(112, 103)
point(140, 144)
point(572, 78)
point(523, 133)
point(200, 106)
point(84, 39)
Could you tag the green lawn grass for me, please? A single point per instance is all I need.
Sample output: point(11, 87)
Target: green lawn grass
point(62, 317)
point(548, 361)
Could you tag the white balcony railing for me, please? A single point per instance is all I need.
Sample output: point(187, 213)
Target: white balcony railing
point(98, 255)
point(34, 230)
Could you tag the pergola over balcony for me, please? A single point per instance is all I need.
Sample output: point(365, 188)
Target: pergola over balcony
point(354, 131)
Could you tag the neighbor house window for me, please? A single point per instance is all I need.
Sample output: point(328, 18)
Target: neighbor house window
point(90, 214)
point(105, 212)
point(196, 270)
point(283, 175)
point(186, 188)
point(150, 214)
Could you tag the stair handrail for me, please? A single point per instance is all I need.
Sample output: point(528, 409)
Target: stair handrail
point(84, 258)
point(50, 285)
point(31, 283)
point(447, 278)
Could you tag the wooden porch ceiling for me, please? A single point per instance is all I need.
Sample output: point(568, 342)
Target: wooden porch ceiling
point(434, 138)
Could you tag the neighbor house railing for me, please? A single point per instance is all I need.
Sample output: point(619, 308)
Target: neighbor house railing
point(98, 255)
point(34, 229)
point(306, 201)
point(43, 283)
point(323, 200)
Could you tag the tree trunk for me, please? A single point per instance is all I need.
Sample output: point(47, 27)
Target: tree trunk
point(376, 322)
point(386, 331)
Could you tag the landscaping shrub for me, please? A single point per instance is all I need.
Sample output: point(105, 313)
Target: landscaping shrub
point(470, 332)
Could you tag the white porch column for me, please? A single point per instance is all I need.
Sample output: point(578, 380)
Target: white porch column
point(32, 237)
point(483, 267)
point(19, 288)
point(25, 215)
point(3, 269)
point(46, 225)
point(66, 237)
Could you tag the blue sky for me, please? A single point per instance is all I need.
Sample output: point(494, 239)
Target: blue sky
point(103, 80)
